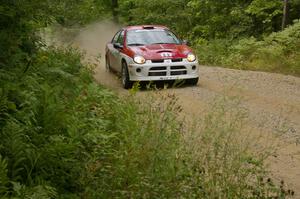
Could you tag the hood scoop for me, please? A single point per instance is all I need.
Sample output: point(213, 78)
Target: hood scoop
point(164, 51)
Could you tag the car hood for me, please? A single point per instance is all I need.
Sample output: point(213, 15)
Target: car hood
point(161, 51)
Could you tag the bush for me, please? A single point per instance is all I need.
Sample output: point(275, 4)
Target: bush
point(278, 52)
point(212, 52)
point(35, 144)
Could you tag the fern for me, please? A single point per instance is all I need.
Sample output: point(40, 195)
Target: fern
point(4, 181)
point(14, 148)
point(36, 192)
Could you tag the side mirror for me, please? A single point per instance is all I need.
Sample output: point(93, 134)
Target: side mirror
point(186, 42)
point(118, 46)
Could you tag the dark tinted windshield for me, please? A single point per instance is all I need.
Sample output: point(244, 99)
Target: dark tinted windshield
point(146, 37)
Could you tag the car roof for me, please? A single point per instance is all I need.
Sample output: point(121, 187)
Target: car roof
point(145, 27)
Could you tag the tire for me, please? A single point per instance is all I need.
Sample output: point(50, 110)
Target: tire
point(107, 64)
point(193, 81)
point(127, 84)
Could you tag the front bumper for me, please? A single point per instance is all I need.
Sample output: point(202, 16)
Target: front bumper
point(167, 70)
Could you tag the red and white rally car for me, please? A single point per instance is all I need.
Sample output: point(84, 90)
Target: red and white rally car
point(150, 53)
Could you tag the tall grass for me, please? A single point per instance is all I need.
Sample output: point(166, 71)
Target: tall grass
point(225, 151)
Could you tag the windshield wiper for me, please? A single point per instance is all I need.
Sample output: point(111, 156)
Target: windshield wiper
point(135, 44)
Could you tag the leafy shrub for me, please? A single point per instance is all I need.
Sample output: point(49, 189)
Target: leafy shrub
point(278, 52)
point(212, 52)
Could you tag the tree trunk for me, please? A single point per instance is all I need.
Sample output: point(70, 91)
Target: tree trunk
point(115, 7)
point(285, 13)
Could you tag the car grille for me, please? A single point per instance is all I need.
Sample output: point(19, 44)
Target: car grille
point(177, 67)
point(177, 60)
point(157, 61)
point(157, 73)
point(162, 60)
point(165, 70)
point(159, 68)
point(178, 72)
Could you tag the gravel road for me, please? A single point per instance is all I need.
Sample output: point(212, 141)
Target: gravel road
point(273, 100)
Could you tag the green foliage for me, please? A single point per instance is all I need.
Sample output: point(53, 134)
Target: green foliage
point(277, 52)
point(213, 52)
point(4, 181)
point(74, 12)
point(21, 19)
point(32, 115)
point(207, 18)
point(219, 19)
point(155, 12)
point(267, 12)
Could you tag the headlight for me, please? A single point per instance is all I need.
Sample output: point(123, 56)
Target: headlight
point(139, 59)
point(191, 57)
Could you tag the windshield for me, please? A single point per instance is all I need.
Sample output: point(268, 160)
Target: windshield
point(148, 37)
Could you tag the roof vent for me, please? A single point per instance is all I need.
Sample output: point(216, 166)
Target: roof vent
point(148, 27)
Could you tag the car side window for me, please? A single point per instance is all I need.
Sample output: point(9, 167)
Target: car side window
point(114, 40)
point(121, 37)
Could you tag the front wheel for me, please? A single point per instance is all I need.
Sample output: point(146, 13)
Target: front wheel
point(193, 81)
point(125, 77)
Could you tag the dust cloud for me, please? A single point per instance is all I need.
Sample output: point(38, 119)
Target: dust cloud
point(94, 37)
point(92, 40)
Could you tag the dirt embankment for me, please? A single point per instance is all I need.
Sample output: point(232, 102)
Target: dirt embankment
point(272, 100)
